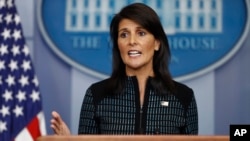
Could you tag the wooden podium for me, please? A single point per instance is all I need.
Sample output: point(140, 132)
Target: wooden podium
point(133, 138)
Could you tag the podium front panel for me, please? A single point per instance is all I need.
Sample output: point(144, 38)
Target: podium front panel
point(133, 138)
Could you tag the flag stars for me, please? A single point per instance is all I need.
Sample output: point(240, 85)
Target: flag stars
point(18, 111)
point(26, 50)
point(8, 18)
point(10, 3)
point(17, 19)
point(2, 126)
point(24, 80)
point(13, 65)
point(15, 50)
point(2, 3)
point(3, 49)
point(6, 34)
point(7, 95)
point(2, 66)
point(26, 65)
point(21, 96)
point(18, 83)
point(35, 81)
point(17, 34)
point(35, 96)
point(10, 80)
point(4, 111)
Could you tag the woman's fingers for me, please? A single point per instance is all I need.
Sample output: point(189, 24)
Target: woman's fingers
point(55, 126)
point(55, 122)
point(58, 125)
point(56, 116)
point(56, 119)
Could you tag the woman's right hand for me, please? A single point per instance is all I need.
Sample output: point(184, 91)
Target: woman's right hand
point(58, 125)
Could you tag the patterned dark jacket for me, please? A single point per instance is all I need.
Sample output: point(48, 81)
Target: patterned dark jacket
point(122, 114)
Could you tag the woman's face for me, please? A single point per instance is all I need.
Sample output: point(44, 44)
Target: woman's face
point(136, 46)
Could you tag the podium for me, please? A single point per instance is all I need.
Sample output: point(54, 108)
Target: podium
point(133, 138)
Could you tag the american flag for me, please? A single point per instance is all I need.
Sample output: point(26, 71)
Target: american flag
point(21, 114)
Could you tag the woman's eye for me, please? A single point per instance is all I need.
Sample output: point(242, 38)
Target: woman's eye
point(141, 33)
point(123, 35)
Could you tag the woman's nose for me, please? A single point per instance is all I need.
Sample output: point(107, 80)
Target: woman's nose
point(132, 40)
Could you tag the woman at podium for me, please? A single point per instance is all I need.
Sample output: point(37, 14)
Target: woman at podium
point(140, 96)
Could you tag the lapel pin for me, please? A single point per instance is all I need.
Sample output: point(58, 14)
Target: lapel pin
point(164, 103)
